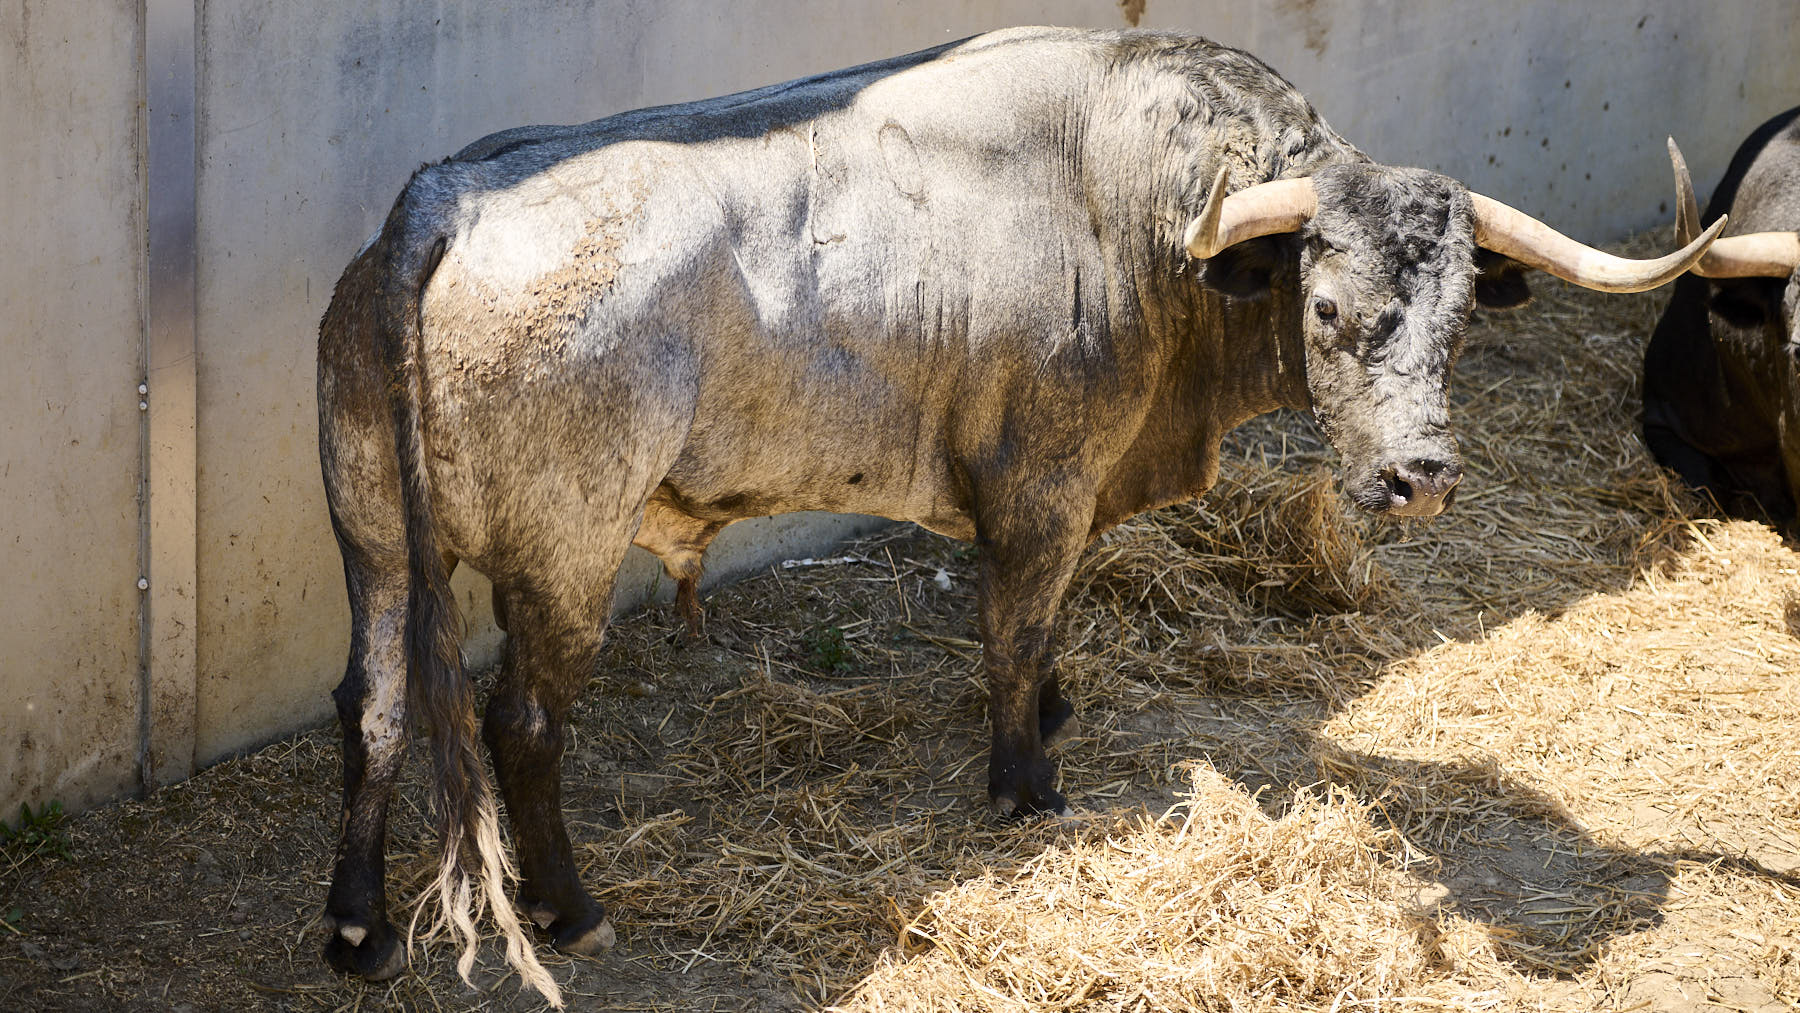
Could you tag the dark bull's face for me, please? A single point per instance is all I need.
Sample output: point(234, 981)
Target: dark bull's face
point(1722, 373)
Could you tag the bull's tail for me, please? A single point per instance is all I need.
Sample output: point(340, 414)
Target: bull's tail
point(474, 868)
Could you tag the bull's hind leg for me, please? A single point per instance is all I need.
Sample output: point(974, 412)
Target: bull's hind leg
point(371, 706)
point(554, 629)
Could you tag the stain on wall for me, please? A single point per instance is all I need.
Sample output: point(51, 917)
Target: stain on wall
point(1314, 24)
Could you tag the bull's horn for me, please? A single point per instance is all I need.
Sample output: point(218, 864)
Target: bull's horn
point(1755, 255)
point(1260, 210)
point(1513, 233)
point(1687, 208)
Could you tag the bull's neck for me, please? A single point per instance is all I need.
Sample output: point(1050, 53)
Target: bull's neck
point(1248, 356)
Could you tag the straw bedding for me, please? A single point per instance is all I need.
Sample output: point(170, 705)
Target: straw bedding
point(1536, 754)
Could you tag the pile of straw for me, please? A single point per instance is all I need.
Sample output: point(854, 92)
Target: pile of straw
point(1214, 905)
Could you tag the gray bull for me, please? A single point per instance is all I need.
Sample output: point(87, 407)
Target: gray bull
point(1721, 388)
point(1014, 289)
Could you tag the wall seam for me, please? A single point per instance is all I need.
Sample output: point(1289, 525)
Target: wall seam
point(167, 581)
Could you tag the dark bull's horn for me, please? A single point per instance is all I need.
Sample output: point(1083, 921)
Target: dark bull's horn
point(1284, 205)
point(1756, 255)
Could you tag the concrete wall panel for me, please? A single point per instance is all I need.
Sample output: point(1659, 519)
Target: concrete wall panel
point(70, 284)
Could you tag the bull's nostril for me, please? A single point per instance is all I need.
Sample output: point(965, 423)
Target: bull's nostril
point(1431, 477)
point(1420, 487)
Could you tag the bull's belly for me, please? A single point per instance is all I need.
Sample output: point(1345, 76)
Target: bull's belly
point(929, 505)
point(686, 511)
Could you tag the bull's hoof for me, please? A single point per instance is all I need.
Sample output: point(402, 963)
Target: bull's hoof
point(586, 938)
point(373, 953)
point(1019, 805)
point(585, 932)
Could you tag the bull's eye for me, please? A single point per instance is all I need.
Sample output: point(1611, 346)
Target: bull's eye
point(1324, 309)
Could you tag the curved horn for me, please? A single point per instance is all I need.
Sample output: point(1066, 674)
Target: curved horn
point(1513, 233)
point(1755, 255)
point(1259, 210)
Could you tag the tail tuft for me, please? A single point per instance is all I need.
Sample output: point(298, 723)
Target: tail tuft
point(473, 871)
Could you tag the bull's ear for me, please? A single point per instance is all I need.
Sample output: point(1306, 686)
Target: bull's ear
point(1500, 281)
point(1745, 302)
point(1245, 270)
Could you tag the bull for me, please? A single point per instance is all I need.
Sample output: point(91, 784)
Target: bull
point(1014, 289)
point(1721, 396)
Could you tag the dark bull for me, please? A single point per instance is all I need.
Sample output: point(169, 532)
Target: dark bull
point(1721, 395)
point(1014, 289)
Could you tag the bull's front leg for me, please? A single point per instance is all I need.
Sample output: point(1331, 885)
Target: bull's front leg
point(1027, 557)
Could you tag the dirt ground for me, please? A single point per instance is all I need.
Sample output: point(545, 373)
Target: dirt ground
point(1567, 708)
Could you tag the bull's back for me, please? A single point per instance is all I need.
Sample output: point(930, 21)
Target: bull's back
point(813, 285)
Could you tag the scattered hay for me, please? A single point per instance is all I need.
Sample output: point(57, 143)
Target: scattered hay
point(1213, 906)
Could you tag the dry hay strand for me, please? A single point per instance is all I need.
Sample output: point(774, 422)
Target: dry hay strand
point(1187, 598)
point(1264, 537)
point(1213, 906)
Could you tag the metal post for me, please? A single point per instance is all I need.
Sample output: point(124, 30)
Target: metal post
point(167, 682)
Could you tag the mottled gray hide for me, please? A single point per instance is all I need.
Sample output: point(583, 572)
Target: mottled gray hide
point(1721, 395)
point(949, 288)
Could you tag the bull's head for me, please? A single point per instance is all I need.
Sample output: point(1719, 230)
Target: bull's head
point(1390, 263)
point(1753, 299)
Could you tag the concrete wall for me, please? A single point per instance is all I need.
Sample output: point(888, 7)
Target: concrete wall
point(71, 220)
point(311, 116)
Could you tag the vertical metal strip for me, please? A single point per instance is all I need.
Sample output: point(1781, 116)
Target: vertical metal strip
point(168, 681)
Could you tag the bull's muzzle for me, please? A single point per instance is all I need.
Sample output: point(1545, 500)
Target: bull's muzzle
point(1421, 487)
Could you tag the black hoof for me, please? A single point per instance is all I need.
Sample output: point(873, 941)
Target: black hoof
point(588, 942)
point(587, 933)
point(374, 954)
point(1029, 802)
point(587, 937)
